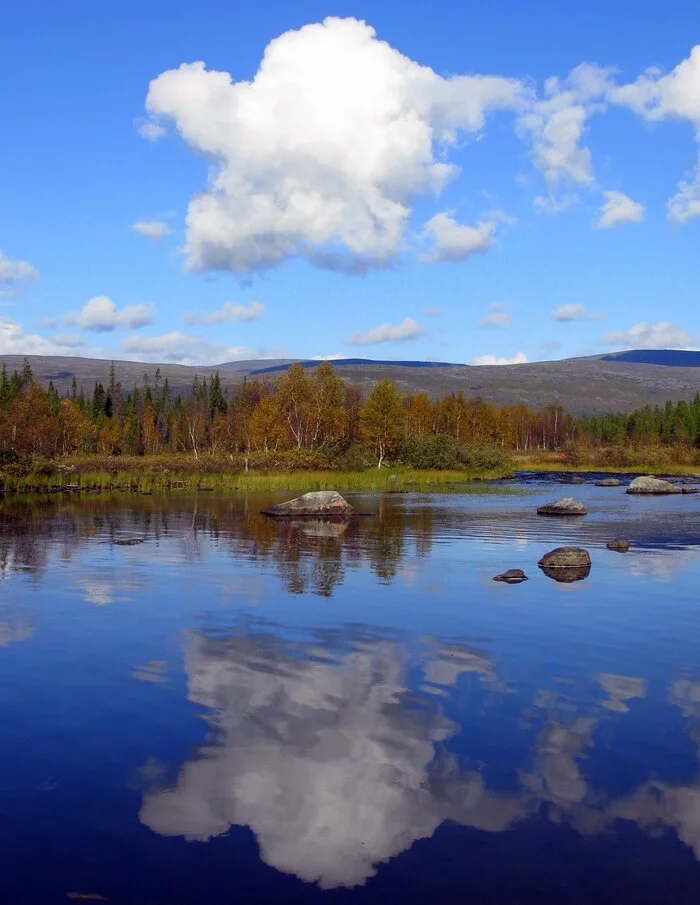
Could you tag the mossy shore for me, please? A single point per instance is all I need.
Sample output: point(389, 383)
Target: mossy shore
point(76, 477)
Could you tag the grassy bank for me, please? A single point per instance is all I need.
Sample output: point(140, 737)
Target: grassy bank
point(559, 463)
point(138, 474)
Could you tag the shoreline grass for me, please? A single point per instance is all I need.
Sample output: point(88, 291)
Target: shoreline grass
point(147, 475)
point(373, 480)
point(559, 465)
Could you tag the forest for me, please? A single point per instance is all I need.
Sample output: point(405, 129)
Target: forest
point(314, 420)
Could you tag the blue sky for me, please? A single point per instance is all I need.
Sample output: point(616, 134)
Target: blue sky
point(364, 194)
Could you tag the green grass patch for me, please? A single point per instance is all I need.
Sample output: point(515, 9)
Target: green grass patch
point(139, 475)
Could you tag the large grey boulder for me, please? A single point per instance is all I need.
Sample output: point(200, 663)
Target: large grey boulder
point(317, 504)
point(566, 564)
point(567, 506)
point(651, 485)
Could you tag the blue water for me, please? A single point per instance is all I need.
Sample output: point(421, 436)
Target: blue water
point(236, 710)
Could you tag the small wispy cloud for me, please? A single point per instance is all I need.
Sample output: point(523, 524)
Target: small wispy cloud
point(408, 329)
point(567, 313)
point(152, 229)
point(497, 316)
point(228, 313)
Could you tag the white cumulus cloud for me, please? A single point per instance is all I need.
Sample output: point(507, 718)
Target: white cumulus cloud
point(618, 208)
point(685, 204)
point(229, 311)
point(152, 229)
point(15, 275)
point(556, 125)
point(520, 358)
point(663, 335)
point(497, 316)
point(101, 315)
point(566, 313)
point(675, 95)
point(324, 151)
point(453, 241)
point(178, 348)
point(409, 328)
point(15, 341)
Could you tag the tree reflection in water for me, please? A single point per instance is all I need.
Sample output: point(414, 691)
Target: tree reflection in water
point(310, 555)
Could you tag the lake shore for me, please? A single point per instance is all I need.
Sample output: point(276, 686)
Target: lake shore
point(145, 475)
point(556, 463)
point(385, 480)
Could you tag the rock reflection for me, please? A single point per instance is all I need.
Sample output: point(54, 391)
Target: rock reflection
point(309, 555)
point(325, 754)
point(567, 575)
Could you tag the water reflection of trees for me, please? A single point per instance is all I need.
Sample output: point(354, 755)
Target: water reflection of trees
point(337, 753)
point(309, 555)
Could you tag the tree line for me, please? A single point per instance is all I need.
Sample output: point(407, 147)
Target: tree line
point(312, 414)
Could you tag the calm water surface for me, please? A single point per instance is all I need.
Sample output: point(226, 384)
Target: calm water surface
point(237, 710)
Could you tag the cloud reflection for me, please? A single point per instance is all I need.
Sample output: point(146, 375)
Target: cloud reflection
point(336, 765)
point(331, 761)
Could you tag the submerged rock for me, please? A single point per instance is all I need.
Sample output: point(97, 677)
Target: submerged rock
point(317, 504)
point(572, 479)
point(511, 576)
point(619, 545)
point(649, 484)
point(608, 482)
point(689, 488)
point(567, 506)
point(566, 564)
point(128, 541)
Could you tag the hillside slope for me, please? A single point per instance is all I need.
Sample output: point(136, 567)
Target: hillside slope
point(618, 382)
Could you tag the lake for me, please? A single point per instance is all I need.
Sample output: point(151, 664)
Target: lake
point(229, 709)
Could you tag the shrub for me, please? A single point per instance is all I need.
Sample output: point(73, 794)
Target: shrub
point(441, 451)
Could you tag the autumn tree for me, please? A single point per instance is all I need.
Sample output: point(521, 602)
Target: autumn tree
point(327, 416)
point(383, 418)
point(294, 397)
point(266, 428)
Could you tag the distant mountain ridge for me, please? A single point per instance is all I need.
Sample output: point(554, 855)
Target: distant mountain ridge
point(619, 381)
point(341, 362)
point(670, 358)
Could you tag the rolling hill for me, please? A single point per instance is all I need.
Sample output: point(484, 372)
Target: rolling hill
point(615, 382)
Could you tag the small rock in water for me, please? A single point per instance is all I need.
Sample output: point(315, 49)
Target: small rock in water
point(566, 564)
point(651, 485)
point(688, 488)
point(608, 482)
point(619, 545)
point(128, 541)
point(572, 479)
point(511, 576)
point(567, 506)
point(318, 504)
